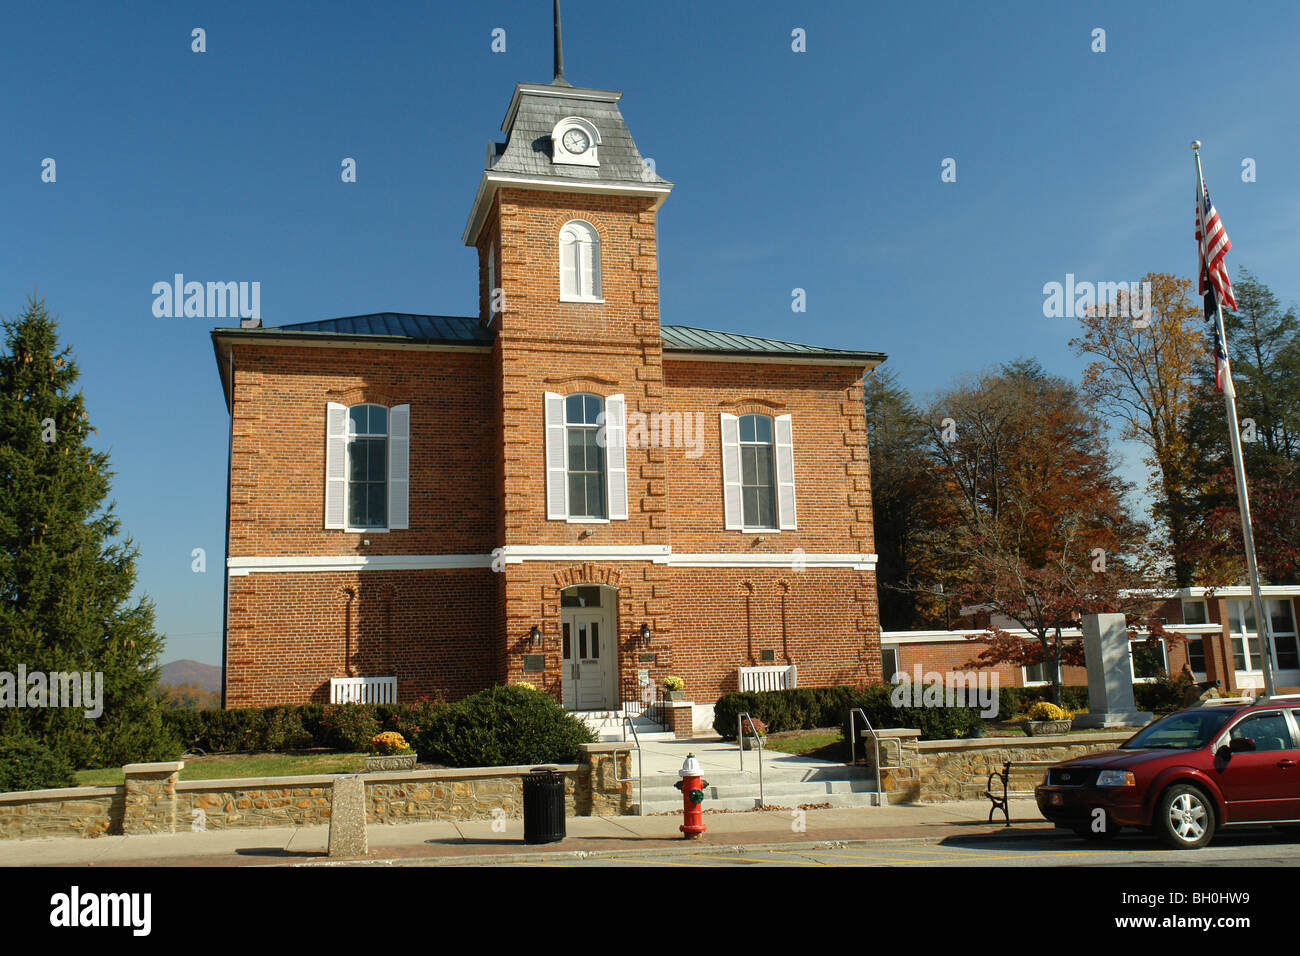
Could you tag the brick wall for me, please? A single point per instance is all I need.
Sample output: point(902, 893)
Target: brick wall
point(291, 632)
point(478, 481)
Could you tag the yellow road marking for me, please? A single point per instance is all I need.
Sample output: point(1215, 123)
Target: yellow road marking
point(638, 862)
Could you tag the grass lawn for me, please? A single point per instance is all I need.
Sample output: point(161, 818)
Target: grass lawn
point(825, 743)
point(242, 765)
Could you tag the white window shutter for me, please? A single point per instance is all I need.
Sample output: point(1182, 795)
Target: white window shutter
point(399, 467)
point(590, 268)
point(336, 465)
point(557, 472)
point(733, 507)
point(568, 265)
point(616, 455)
point(785, 472)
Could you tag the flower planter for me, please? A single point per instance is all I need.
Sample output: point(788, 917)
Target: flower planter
point(673, 694)
point(393, 762)
point(747, 743)
point(1047, 728)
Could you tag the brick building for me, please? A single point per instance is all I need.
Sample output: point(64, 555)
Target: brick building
point(1215, 637)
point(559, 490)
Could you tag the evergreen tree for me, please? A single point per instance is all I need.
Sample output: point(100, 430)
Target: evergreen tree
point(65, 577)
point(1264, 349)
point(904, 492)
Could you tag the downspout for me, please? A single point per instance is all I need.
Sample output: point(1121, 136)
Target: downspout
point(225, 564)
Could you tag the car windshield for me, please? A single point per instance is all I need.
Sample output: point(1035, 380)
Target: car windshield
point(1185, 730)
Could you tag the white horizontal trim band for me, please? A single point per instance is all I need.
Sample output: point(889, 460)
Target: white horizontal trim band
point(519, 553)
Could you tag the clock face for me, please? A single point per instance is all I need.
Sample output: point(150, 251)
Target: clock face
point(576, 142)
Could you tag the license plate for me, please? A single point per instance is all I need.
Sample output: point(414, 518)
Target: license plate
point(1057, 800)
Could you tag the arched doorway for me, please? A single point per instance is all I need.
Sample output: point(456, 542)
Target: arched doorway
point(589, 646)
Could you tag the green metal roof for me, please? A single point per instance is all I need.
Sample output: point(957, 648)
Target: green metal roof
point(684, 338)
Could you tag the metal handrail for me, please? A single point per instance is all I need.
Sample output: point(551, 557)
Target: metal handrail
point(740, 740)
point(640, 777)
point(854, 713)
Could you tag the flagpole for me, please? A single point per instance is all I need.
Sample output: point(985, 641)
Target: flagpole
point(1262, 624)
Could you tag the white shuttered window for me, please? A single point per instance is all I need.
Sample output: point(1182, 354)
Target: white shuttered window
point(367, 467)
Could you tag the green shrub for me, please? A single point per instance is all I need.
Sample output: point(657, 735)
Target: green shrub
point(410, 720)
point(803, 708)
point(349, 727)
point(27, 764)
point(282, 729)
point(1164, 695)
point(501, 726)
point(934, 723)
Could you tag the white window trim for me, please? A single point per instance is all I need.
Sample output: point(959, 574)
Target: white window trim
point(1164, 661)
point(1026, 682)
point(342, 440)
point(595, 276)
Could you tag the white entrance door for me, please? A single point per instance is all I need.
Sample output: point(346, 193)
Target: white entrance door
point(588, 652)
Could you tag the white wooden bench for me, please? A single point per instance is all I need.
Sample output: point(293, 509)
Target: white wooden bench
point(363, 690)
point(768, 677)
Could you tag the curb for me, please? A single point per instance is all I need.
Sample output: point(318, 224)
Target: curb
point(672, 845)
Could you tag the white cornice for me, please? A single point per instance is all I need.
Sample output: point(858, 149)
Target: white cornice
point(357, 562)
point(521, 553)
point(491, 182)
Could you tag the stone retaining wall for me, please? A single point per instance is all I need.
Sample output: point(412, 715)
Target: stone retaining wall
point(153, 799)
point(72, 811)
point(934, 771)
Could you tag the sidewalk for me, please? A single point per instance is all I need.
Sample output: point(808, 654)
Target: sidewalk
point(468, 843)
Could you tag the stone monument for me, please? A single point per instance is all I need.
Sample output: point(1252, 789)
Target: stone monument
point(1110, 675)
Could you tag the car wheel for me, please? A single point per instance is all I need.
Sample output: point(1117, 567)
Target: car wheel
point(1185, 817)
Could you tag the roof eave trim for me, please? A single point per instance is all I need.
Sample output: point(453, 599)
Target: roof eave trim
point(491, 182)
point(339, 339)
point(857, 359)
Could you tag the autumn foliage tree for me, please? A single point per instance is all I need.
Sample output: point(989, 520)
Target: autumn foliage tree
point(1143, 375)
point(1040, 532)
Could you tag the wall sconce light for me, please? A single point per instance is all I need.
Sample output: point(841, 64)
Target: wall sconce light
point(645, 635)
point(535, 637)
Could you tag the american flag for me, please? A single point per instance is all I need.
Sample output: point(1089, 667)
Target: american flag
point(1212, 244)
point(1220, 359)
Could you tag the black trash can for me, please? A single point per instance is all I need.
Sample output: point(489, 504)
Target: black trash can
point(543, 805)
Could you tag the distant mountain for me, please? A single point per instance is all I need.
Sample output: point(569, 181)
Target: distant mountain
point(206, 676)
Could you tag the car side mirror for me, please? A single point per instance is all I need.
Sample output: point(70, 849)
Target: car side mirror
point(1241, 745)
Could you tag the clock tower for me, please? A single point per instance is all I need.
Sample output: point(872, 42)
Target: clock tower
point(564, 224)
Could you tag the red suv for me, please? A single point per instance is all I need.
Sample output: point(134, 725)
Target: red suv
point(1222, 763)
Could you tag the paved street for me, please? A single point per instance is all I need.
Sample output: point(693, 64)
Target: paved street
point(1254, 848)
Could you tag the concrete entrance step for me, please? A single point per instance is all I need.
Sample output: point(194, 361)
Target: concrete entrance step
point(823, 777)
point(608, 725)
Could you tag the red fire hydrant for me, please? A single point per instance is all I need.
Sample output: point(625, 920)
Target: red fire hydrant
point(692, 787)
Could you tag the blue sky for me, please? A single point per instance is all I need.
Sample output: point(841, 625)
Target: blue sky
point(818, 170)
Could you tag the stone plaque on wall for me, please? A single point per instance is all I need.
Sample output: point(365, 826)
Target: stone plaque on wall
point(647, 658)
point(534, 662)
